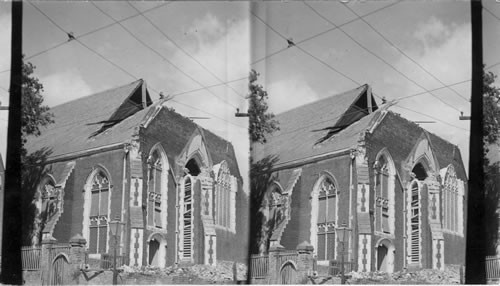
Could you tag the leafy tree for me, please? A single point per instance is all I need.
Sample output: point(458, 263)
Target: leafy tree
point(491, 125)
point(491, 111)
point(261, 121)
point(262, 124)
point(34, 116)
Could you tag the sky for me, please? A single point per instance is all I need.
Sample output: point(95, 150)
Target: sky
point(201, 53)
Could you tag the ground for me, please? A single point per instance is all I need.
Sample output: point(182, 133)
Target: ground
point(450, 275)
point(195, 274)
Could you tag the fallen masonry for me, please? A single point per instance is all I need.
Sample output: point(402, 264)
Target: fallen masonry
point(450, 275)
point(199, 274)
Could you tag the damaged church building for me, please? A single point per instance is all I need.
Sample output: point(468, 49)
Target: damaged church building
point(345, 161)
point(116, 155)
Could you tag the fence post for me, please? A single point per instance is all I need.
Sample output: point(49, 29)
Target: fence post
point(305, 262)
point(76, 257)
point(274, 269)
point(45, 263)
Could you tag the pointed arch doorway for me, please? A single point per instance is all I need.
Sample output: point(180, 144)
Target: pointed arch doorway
point(385, 255)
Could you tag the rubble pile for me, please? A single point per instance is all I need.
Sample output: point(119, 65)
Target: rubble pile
point(450, 275)
point(221, 273)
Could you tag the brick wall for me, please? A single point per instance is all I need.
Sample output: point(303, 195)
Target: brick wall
point(399, 136)
point(71, 220)
point(298, 228)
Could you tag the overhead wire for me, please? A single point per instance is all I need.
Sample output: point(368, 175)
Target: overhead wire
point(403, 53)
point(182, 49)
point(491, 13)
point(306, 52)
point(94, 31)
point(382, 59)
point(396, 100)
point(128, 73)
point(432, 117)
point(343, 74)
point(323, 32)
point(163, 57)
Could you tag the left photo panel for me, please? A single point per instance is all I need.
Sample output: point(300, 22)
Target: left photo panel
point(134, 164)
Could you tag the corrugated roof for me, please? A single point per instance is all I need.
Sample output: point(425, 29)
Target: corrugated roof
point(301, 128)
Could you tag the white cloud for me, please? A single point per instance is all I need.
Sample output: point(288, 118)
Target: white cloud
point(290, 93)
point(224, 49)
point(446, 53)
point(64, 86)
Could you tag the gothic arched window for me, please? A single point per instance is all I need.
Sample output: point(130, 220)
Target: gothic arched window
point(99, 213)
point(326, 219)
point(453, 202)
point(384, 194)
point(155, 190)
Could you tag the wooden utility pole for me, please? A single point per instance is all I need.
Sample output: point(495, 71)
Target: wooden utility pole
point(475, 271)
point(11, 248)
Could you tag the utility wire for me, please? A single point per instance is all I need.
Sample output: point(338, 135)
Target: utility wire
point(402, 52)
point(93, 31)
point(491, 13)
point(447, 123)
point(208, 86)
point(343, 74)
point(182, 49)
point(306, 52)
point(365, 109)
point(324, 32)
point(425, 92)
point(161, 56)
point(128, 73)
point(377, 56)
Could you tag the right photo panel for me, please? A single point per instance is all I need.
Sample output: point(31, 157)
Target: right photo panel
point(360, 115)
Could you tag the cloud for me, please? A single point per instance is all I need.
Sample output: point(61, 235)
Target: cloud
point(444, 50)
point(224, 49)
point(290, 93)
point(64, 86)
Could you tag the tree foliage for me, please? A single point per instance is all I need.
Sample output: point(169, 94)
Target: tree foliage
point(491, 127)
point(262, 122)
point(491, 111)
point(34, 116)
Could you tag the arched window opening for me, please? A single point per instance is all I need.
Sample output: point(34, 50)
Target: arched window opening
point(453, 201)
point(414, 223)
point(99, 212)
point(384, 194)
point(327, 219)
point(155, 190)
point(223, 197)
point(192, 166)
point(187, 217)
point(420, 172)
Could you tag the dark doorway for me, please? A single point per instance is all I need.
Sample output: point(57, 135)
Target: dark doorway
point(382, 258)
point(154, 246)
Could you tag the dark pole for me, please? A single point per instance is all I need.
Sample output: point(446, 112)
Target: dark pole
point(11, 254)
point(475, 272)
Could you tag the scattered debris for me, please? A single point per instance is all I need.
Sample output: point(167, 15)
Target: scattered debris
point(450, 275)
point(206, 274)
